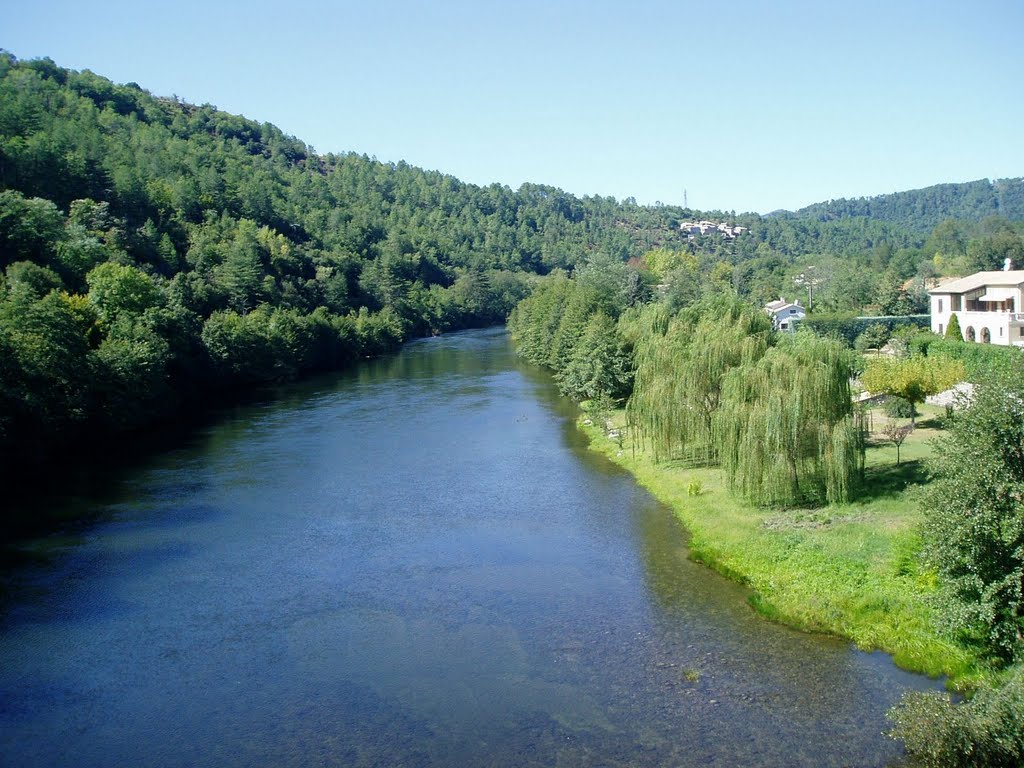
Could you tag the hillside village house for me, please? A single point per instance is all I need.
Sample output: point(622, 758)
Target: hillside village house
point(784, 314)
point(695, 228)
point(988, 305)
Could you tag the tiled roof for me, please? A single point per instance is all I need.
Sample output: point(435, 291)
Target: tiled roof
point(981, 280)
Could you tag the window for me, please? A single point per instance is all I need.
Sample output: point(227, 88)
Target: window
point(940, 329)
point(940, 306)
point(955, 303)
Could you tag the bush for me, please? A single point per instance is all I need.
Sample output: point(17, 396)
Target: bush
point(977, 358)
point(873, 337)
point(985, 732)
point(953, 330)
point(899, 408)
point(848, 328)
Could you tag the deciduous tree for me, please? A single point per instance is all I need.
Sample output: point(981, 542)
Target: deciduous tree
point(912, 378)
point(975, 513)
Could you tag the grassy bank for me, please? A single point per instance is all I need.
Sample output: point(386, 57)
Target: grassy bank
point(851, 570)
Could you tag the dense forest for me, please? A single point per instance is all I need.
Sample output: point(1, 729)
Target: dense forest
point(924, 209)
point(155, 252)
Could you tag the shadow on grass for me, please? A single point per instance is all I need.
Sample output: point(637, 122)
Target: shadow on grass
point(891, 479)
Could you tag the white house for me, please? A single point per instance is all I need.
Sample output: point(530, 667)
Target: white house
point(784, 314)
point(989, 306)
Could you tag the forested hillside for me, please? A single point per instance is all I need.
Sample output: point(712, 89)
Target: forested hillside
point(921, 210)
point(154, 251)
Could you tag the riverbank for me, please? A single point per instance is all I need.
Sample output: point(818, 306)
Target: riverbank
point(850, 570)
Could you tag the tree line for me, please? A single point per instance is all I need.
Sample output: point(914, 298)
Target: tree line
point(153, 252)
point(710, 383)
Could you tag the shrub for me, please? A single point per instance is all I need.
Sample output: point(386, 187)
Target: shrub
point(873, 337)
point(848, 328)
point(985, 732)
point(953, 330)
point(899, 408)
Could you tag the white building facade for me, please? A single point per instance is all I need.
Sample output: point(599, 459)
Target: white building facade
point(785, 314)
point(989, 307)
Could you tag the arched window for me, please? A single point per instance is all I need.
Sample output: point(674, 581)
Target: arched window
point(970, 333)
point(986, 336)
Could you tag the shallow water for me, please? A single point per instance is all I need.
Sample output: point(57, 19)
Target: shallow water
point(415, 563)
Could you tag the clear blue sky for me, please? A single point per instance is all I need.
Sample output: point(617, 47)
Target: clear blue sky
point(747, 105)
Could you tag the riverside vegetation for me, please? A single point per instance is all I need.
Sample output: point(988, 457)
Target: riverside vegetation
point(750, 436)
point(156, 253)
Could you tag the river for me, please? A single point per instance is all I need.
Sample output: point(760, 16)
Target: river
point(414, 563)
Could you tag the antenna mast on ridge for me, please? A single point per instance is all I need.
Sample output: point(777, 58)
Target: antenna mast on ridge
point(686, 204)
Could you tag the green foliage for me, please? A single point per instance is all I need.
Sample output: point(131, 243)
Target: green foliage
point(568, 326)
point(784, 430)
point(681, 362)
point(953, 329)
point(925, 209)
point(48, 363)
point(117, 290)
point(849, 328)
point(977, 359)
point(913, 378)
point(984, 732)
point(711, 388)
point(180, 221)
point(899, 408)
point(535, 320)
point(29, 228)
point(975, 514)
point(30, 278)
point(873, 337)
point(600, 363)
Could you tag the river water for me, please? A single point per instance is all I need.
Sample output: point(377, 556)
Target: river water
point(415, 563)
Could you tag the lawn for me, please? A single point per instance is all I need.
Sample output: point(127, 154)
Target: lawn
point(849, 569)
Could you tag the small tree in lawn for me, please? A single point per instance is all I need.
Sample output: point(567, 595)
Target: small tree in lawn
point(896, 434)
point(913, 378)
point(953, 329)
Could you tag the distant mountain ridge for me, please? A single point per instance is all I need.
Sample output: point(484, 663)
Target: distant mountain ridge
point(920, 210)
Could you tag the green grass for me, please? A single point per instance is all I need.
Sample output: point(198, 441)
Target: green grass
point(850, 569)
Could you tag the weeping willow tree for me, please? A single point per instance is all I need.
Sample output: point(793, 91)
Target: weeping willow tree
point(784, 429)
point(681, 363)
